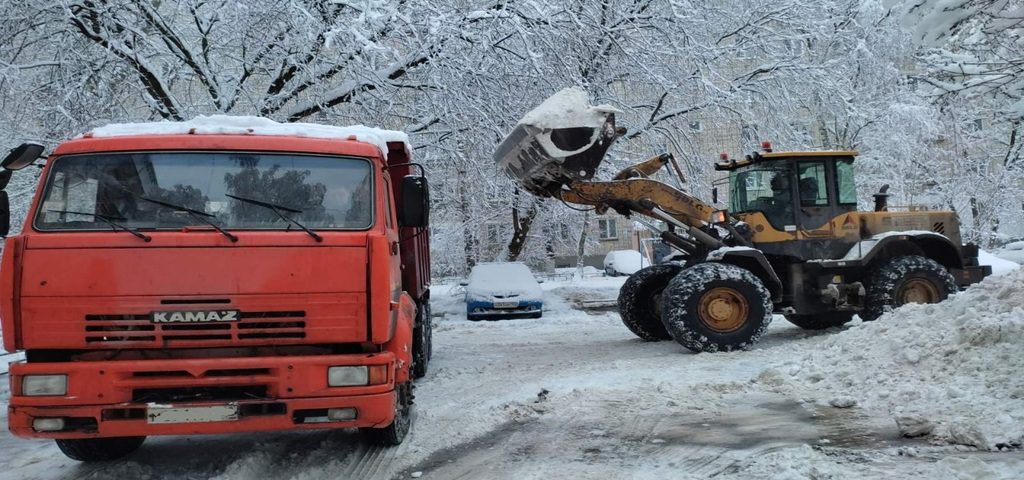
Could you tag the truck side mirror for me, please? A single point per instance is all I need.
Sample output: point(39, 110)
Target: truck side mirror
point(5, 214)
point(22, 156)
point(414, 211)
point(714, 195)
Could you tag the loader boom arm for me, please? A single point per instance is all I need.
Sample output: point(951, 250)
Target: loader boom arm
point(637, 194)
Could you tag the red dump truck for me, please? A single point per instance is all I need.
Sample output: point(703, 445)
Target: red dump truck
point(227, 274)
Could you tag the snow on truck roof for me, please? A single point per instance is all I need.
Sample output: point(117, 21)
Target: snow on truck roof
point(242, 125)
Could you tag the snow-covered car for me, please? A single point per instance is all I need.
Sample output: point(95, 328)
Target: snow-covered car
point(623, 262)
point(1013, 251)
point(501, 290)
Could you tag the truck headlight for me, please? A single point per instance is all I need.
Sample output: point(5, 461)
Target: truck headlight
point(40, 385)
point(347, 376)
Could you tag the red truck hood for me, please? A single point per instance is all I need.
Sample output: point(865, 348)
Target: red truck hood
point(225, 296)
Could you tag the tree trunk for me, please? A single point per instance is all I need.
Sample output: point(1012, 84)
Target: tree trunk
point(581, 246)
point(468, 239)
point(520, 231)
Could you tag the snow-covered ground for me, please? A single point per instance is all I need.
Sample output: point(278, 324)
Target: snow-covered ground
point(575, 395)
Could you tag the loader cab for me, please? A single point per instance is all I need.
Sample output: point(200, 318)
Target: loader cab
point(795, 191)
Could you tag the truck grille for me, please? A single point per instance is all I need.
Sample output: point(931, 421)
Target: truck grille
point(251, 327)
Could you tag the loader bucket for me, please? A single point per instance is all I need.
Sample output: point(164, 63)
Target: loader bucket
point(542, 159)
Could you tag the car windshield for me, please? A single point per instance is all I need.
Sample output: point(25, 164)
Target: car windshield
point(329, 192)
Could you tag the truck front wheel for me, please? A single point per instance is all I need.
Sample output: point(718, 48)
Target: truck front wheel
point(99, 449)
point(394, 433)
point(713, 307)
point(640, 301)
point(903, 280)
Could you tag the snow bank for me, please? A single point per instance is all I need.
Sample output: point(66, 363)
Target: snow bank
point(1000, 266)
point(624, 261)
point(956, 365)
point(242, 125)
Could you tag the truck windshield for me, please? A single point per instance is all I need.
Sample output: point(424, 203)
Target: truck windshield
point(328, 192)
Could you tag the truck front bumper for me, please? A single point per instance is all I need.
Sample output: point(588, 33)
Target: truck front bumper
point(202, 396)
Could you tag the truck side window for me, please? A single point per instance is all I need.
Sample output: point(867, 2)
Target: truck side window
point(389, 206)
point(812, 184)
point(845, 186)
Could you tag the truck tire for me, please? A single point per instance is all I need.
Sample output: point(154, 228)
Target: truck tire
point(394, 433)
point(640, 301)
point(421, 334)
point(820, 321)
point(713, 307)
point(903, 280)
point(99, 449)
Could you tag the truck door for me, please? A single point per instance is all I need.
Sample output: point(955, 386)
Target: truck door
point(391, 232)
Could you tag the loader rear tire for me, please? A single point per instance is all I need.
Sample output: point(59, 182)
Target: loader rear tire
point(712, 307)
point(99, 449)
point(820, 321)
point(903, 280)
point(640, 301)
point(394, 433)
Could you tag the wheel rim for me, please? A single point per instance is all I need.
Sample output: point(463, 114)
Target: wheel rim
point(723, 309)
point(918, 290)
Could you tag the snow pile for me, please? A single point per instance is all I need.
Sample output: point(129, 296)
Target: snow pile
point(955, 365)
point(242, 125)
point(1000, 266)
point(569, 108)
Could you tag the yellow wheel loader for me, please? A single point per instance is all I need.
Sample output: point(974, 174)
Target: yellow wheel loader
point(791, 241)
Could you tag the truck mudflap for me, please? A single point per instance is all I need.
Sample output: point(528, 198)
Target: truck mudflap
point(560, 142)
point(204, 396)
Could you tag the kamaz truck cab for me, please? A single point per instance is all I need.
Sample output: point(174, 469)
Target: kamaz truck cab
point(227, 274)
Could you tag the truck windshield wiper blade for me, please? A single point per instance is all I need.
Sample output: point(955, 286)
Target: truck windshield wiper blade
point(278, 209)
point(195, 214)
point(109, 221)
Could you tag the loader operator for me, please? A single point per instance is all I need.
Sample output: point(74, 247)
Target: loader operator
point(778, 208)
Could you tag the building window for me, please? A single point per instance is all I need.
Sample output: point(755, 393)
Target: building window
point(607, 229)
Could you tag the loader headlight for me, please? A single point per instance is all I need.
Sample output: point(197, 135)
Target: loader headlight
point(347, 376)
point(44, 385)
point(719, 216)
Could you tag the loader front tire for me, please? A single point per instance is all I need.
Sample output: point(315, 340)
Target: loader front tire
point(712, 307)
point(903, 280)
point(99, 449)
point(640, 301)
point(820, 321)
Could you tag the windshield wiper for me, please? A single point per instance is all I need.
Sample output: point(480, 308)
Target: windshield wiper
point(277, 209)
point(109, 221)
point(195, 214)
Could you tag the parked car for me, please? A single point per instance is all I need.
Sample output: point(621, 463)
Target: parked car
point(502, 290)
point(623, 262)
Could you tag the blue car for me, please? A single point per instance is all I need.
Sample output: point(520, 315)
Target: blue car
point(502, 290)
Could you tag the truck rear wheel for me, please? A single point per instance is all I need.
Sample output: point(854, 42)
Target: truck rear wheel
point(99, 449)
point(394, 433)
point(712, 307)
point(903, 280)
point(820, 321)
point(640, 301)
point(421, 340)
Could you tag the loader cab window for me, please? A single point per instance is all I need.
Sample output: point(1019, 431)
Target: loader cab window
point(812, 184)
point(766, 188)
point(846, 189)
